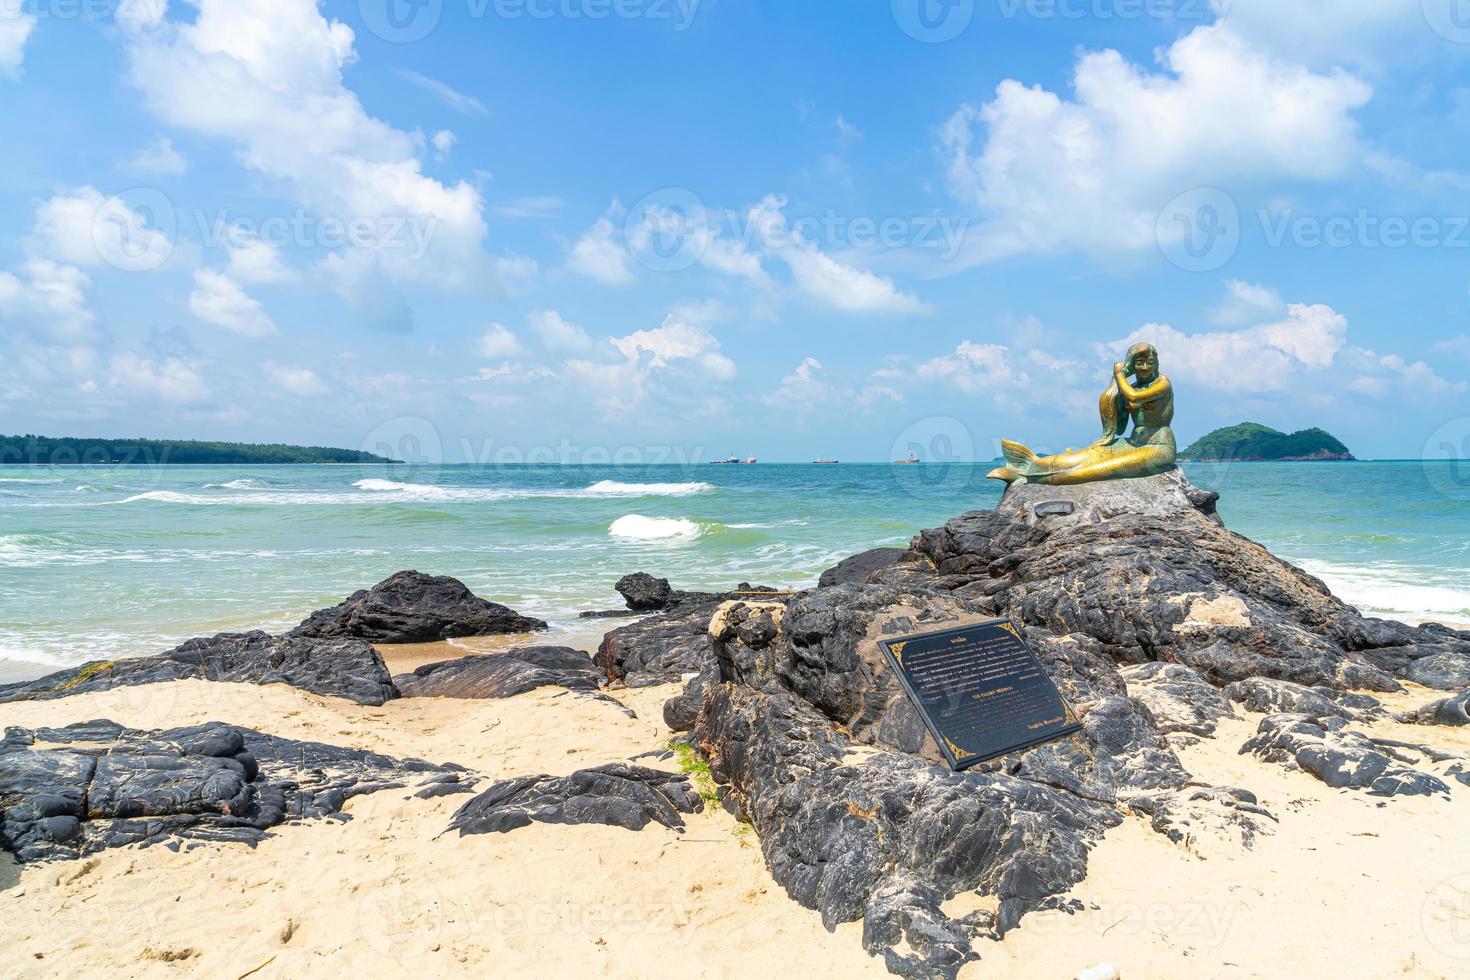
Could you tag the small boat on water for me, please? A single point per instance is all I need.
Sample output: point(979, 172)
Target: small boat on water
point(910, 460)
point(733, 461)
point(824, 462)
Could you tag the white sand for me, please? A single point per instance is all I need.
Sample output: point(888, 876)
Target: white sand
point(1348, 885)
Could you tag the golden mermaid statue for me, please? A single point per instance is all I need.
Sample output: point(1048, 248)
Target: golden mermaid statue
point(1148, 401)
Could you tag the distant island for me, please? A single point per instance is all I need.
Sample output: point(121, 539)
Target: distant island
point(32, 450)
point(1253, 441)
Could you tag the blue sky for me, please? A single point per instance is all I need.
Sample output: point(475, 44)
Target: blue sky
point(679, 229)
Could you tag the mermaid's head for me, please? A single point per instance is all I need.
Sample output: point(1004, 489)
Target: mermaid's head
point(1142, 362)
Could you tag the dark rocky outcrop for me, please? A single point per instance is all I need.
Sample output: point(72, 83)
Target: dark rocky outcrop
point(856, 569)
point(1338, 757)
point(501, 675)
point(345, 668)
point(659, 649)
point(619, 794)
point(411, 607)
point(643, 593)
point(1144, 568)
point(1453, 711)
point(69, 792)
point(811, 738)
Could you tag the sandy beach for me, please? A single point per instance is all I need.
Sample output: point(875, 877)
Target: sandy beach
point(389, 891)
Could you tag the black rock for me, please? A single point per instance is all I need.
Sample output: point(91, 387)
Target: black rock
point(345, 668)
point(97, 785)
point(857, 568)
point(411, 607)
point(659, 649)
point(1453, 711)
point(501, 675)
point(619, 794)
point(643, 592)
point(1338, 757)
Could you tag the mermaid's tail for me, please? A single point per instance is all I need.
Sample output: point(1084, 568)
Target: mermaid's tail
point(1021, 459)
point(1005, 473)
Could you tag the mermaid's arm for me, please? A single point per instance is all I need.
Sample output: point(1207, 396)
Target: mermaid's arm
point(1136, 395)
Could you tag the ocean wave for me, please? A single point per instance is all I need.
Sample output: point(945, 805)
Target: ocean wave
point(612, 488)
point(244, 483)
point(1395, 591)
point(639, 528)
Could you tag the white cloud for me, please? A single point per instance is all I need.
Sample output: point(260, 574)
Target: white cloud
point(221, 301)
point(557, 333)
point(297, 380)
point(833, 283)
point(256, 261)
point(86, 228)
point(159, 157)
point(847, 130)
point(443, 141)
point(600, 256)
point(677, 341)
point(1266, 357)
point(675, 361)
point(1325, 33)
point(169, 379)
point(15, 27)
point(807, 389)
point(456, 100)
point(498, 342)
point(1246, 302)
point(50, 299)
point(1092, 173)
point(267, 76)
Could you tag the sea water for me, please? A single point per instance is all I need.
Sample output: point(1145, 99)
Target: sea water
point(106, 562)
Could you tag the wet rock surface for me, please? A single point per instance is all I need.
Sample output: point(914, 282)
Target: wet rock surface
point(619, 795)
point(659, 649)
point(411, 607)
point(856, 569)
point(69, 792)
point(501, 675)
point(1341, 758)
point(345, 668)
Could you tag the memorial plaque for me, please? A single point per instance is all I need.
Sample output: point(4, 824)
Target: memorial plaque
point(980, 690)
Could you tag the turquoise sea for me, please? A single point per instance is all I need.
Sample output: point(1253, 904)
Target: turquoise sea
point(99, 562)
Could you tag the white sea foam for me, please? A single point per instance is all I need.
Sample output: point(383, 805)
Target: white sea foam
point(639, 528)
point(612, 488)
point(244, 483)
point(1395, 591)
